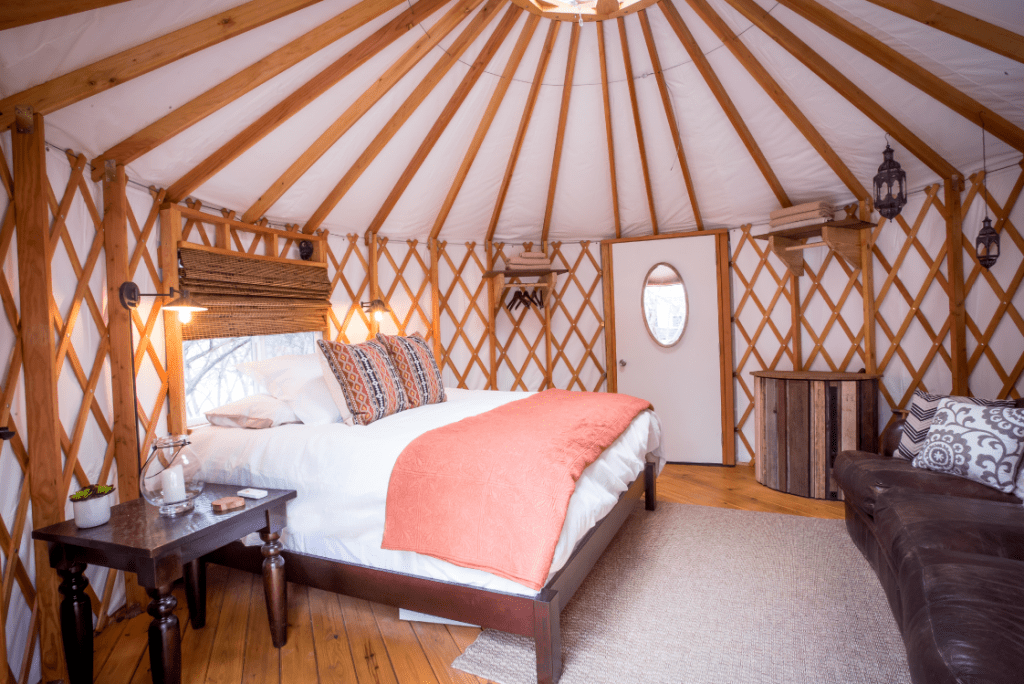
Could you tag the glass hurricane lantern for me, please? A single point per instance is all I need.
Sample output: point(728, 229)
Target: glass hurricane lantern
point(171, 478)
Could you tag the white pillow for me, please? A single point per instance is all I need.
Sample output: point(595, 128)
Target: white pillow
point(314, 404)
point(334, 389)
point(298, 381)
point(255, 412)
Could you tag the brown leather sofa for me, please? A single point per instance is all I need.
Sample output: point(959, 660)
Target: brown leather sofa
point(949, 553)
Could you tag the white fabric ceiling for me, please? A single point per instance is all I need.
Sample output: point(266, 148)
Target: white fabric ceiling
point(730, 189)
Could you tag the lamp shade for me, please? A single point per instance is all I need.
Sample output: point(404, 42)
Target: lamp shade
point(376, 308)
point(184, 305)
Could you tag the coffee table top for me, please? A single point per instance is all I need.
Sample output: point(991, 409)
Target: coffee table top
point(137, 528)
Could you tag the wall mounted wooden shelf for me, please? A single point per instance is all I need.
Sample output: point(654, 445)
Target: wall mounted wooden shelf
point(500, 284)
point(843, 237)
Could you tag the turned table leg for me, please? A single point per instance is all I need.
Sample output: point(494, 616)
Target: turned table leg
point(195, 592)
point(164, 637)
point(76, 623)
point(275, 587)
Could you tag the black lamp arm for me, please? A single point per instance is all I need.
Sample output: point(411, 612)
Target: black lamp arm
point(129, 294)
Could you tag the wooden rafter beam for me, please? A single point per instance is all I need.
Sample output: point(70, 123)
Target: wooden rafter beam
point(845, 87)
point(524, 124)
point(909, 70)
point(23, 13)
point(227, 91)
point(670, 114)
point(964, 26)
point(603, 55)
point(724, 101)
point(779, 96)
point(301, 97)
point(476, 26)
point(485, 122)
point(458, 97)
point(106, 73)
point(563, 117)
point(628, 63)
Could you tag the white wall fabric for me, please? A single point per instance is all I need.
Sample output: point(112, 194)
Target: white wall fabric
point(730, 190)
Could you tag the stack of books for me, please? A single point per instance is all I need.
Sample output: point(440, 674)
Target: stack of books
point(528, 261)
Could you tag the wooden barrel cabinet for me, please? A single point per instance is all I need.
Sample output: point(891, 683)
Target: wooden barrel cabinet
point(803, 419)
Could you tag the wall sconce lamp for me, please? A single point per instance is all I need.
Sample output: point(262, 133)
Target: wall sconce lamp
point(129, 295)
point(986, 246)
point(183, 303)
point(376, 308)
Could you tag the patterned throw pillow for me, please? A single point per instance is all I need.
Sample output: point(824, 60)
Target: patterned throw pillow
point(367, 377)
point(922, 411)
point(980, 443)
point(417, 369)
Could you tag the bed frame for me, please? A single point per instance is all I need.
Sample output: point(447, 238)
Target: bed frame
point(536, 616)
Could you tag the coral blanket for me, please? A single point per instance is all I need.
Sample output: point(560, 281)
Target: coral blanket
point(491, 491)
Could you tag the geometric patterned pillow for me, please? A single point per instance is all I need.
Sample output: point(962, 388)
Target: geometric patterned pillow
point(367, 377)
point(417, 369)
point(922, 412)
point(980, 443)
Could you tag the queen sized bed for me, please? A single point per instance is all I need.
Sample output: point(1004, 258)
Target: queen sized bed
point(336, 524)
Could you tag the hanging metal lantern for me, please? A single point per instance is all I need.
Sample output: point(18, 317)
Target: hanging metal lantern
point(890, 186)
point(987, 244)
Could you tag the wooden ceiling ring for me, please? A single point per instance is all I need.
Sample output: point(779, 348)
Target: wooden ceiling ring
point(541, 9)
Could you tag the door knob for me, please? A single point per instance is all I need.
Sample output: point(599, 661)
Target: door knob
point(622, 362)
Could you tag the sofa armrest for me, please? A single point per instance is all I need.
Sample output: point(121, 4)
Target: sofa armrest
point(893, 432)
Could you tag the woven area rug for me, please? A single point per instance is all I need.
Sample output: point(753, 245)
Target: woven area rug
point(698, 594)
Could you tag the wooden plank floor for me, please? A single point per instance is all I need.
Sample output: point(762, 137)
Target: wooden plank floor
point(340, 639)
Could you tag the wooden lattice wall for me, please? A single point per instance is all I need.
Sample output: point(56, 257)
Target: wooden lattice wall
point(98, 235)
point(915, 340)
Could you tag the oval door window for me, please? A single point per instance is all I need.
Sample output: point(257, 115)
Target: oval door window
point(664, 304)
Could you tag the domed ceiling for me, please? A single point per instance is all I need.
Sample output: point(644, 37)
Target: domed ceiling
point(523, 119)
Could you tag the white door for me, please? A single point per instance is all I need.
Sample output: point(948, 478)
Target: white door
point(683, 381)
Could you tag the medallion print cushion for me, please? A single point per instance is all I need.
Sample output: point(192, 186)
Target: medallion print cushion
point(922, 412)
point(981, 443)
point(416, 367)
point(367, 379)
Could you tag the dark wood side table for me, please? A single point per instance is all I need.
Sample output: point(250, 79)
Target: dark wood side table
point(160, 550)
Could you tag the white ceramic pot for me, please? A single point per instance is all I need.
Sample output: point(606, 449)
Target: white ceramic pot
point(92, 512)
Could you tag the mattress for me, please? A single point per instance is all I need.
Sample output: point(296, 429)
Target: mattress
point(341, 475)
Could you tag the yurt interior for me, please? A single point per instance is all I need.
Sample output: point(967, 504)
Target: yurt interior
point(712, 311)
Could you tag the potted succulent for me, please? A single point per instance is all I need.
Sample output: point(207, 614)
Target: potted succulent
point(92, 505)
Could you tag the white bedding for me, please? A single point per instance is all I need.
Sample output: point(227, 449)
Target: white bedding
point(341, 475)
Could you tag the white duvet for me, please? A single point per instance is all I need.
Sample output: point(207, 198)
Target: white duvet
point(341, 475)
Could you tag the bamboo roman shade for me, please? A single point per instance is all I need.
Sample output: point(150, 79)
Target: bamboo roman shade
point(246, 295)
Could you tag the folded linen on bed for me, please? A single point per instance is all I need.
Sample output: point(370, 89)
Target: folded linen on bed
point(458, 494)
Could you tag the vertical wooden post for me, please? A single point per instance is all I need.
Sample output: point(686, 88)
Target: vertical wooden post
point(371, 273)
point(608, 285)
point(726, 363)
point(44, 463)
point(955, 273)
point(124, 430)
point(794, 303)
point(170, 235)
point(548, 369)
point(492, 315)
point(435, 303)
point(867, 281)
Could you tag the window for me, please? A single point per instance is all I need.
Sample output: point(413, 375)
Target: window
point(210, 376)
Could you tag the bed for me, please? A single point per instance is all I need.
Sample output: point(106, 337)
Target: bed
point(335, 525)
